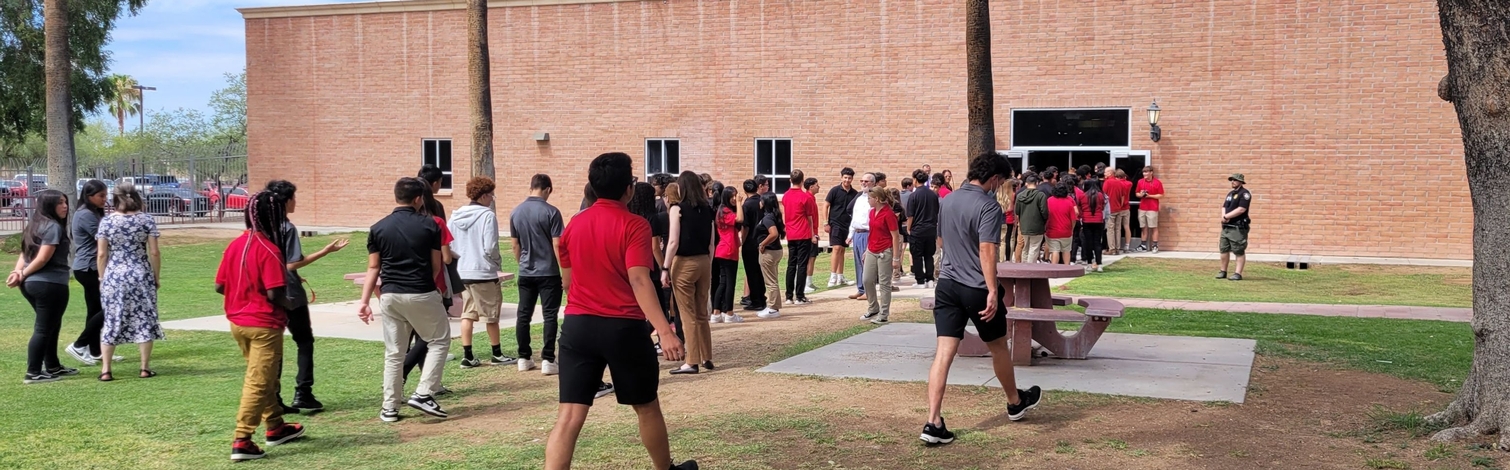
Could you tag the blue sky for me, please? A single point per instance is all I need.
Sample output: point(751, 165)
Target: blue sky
point(184, 48)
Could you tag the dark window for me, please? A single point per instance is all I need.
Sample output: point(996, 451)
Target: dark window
point(773, 159)
point(438, 153)
point(663, 156)
point(1070, 128)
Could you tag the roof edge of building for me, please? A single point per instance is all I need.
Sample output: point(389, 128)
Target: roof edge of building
point(393, 6)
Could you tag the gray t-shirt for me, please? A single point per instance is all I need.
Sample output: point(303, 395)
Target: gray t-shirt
point(966, 220)
point(293, 252)
point(533, 225)
point(56, 268)
point(86, 224)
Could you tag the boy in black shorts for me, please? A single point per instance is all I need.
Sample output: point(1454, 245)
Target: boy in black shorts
point(605, 261)
point(970, 227)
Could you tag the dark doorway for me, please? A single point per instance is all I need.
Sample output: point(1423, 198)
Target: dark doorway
point(1134, 169)
point(1067, 160)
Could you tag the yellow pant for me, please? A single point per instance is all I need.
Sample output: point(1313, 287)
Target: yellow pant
point(263, 349)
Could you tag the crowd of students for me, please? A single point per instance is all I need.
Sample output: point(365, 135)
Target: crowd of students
point(1076, 217)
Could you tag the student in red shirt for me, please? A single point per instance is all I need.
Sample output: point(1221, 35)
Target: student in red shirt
point(801, 211)
point(251, 279)
point(605, 260)
point(1117, 190)
point(1060, 227)
point(882, 254)
point(1092, 224)
point(726, 256)
point(1150, 191)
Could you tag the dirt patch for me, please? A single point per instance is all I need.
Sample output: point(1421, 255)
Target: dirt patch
point(194, 236)
point(1297, 415)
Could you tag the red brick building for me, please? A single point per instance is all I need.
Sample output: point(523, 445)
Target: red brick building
point(1329, 108)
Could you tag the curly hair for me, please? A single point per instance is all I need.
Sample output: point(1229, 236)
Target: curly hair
point(478, 187)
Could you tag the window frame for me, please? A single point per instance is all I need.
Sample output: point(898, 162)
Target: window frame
point(448, 179)
point(777, 179)
point(662, 141)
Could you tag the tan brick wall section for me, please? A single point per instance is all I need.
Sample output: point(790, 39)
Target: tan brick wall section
point(1329, 108)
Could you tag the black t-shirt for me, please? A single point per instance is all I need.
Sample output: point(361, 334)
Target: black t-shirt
point(839, 206)
point(404, 241)
point(1236, 198)
point(751, 208)
point(696, 230)
point(763, 230)
point(923, 208)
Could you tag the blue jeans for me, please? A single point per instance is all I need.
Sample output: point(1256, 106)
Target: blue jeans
point(858, 245)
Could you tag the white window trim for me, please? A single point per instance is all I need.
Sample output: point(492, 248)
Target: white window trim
point(774, 176)
point(662, 140)
point(437, 140)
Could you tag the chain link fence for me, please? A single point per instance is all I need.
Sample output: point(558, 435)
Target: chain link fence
point(196, 184)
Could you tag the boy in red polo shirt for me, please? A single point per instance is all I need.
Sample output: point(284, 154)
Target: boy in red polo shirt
point(605, 261)
point(801, 211)
point(1150, 191)
point(251, 278)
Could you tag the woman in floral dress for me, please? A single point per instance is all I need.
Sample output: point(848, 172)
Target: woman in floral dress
point(129, 264)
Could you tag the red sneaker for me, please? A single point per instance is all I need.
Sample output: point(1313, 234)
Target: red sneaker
point(245, 449)
point(288, 432)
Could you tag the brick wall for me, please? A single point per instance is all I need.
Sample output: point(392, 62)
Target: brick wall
point(1323, 105)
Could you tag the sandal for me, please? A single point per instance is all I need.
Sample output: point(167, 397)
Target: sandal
point(106, 377)
point(148, 373)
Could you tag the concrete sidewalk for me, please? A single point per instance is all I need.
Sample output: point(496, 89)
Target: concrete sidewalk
point(1263, 258)
point(1359, 311)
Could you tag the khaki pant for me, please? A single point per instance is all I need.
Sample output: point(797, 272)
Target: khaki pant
point(691, 289)
point(1114, 227)
point(263, 350)
point(405, 315)
point(1022, 244)
point(878, 282)
point(1008, 239)
point(1034, 248)
point(770, 263)
point(481, 301)
point(1148, 219)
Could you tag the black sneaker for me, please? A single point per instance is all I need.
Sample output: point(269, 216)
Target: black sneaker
point(39, 377)
point(442, 391)
point(388, 415)
point(470, 363)
point(1026, 400)
point(502, 360)
point(288, 432)
point(428, 405)
point(869, 315)
point(1235, 277)
point(754, 308)
point(744, 300)
point(688, 465)
point(880, 321)
point(937, 434)
point(604, 389)
point(245, 449)
point(63, 371)
point(307, 402)
point(1223, 275)
point(287, 410)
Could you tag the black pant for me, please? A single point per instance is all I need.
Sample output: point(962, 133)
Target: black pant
point(1009, 241)
point(922, 258)
point(90, 337)
point(724, 273)
point(1075, 245)
point(1090, 242)
point(547, 290)
point(49, 300)
point(750, 254)
point(796, 268)
point(304, 340)
point(416, 355)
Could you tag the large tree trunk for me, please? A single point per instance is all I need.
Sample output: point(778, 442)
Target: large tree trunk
point(978, 87)
point(57, 71)
point(481, 88)
point(1478, 84)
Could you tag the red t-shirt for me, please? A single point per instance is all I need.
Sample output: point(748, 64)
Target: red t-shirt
point(1093, 208)
point(800, 208)
point(1154, 187)
point(728, 237)
point(599, 245)
point(883, 223)
point(445, 240)
point(1061, 223)
point(1117, 191)
point(943, 191)
point(250, 266)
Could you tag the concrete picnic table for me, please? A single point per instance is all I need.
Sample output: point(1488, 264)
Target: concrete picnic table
point(1029, 302)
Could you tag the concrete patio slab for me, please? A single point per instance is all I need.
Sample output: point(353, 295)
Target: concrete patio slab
point(1168, 367)
point(339, 320)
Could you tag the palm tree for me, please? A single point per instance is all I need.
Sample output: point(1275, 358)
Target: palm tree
point(125, 102)
point(481, 96)
point(57, 72)
point(978, 88)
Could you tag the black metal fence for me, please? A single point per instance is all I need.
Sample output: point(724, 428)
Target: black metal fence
point(180, 190)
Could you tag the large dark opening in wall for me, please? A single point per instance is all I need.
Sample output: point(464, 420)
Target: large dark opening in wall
point(1070, 128)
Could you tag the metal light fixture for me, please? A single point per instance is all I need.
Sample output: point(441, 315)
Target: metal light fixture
point(1153, 121)
point(141, 105)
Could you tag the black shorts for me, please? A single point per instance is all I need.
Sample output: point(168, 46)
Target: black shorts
point(837, 235)
point(589, 343)
point(954, 304)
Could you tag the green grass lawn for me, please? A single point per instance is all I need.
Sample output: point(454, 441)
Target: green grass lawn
point(1176, 279)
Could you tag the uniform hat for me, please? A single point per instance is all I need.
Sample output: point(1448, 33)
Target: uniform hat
point(1238, 177)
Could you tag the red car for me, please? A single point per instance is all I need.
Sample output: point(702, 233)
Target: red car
point(235, 198)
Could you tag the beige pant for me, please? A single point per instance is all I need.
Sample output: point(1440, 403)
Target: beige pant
point(403, 316)
point(691, 289)
point(1148, 219)
point(481, 301)
point(878, 283)
point(770, 264)
point(1034, 248)
point(1114, 227)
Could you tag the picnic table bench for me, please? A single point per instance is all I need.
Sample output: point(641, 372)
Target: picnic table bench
point(1031, 316)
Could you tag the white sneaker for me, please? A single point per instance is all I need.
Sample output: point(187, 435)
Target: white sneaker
point(733, 318)
point(549, 368)
point(82, 354)
point(715, 318)
point(450, 357)
point(832, 282)
point(768, 313)
point(810, 289)
point(1098, 269)
point(526, 365)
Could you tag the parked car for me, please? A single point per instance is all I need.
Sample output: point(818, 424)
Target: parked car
point(176, 202)
point(146, 183)
point(37, 179)
point(235, 198)
point(10, 192)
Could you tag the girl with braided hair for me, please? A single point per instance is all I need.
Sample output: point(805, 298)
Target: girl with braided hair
point(251, 277)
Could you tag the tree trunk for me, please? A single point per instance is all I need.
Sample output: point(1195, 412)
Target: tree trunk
point(978, 87)
point(1478, 85)
point(481, 88)
point(59, 110)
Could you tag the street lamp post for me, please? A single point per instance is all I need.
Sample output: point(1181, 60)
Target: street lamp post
point(141, 104)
